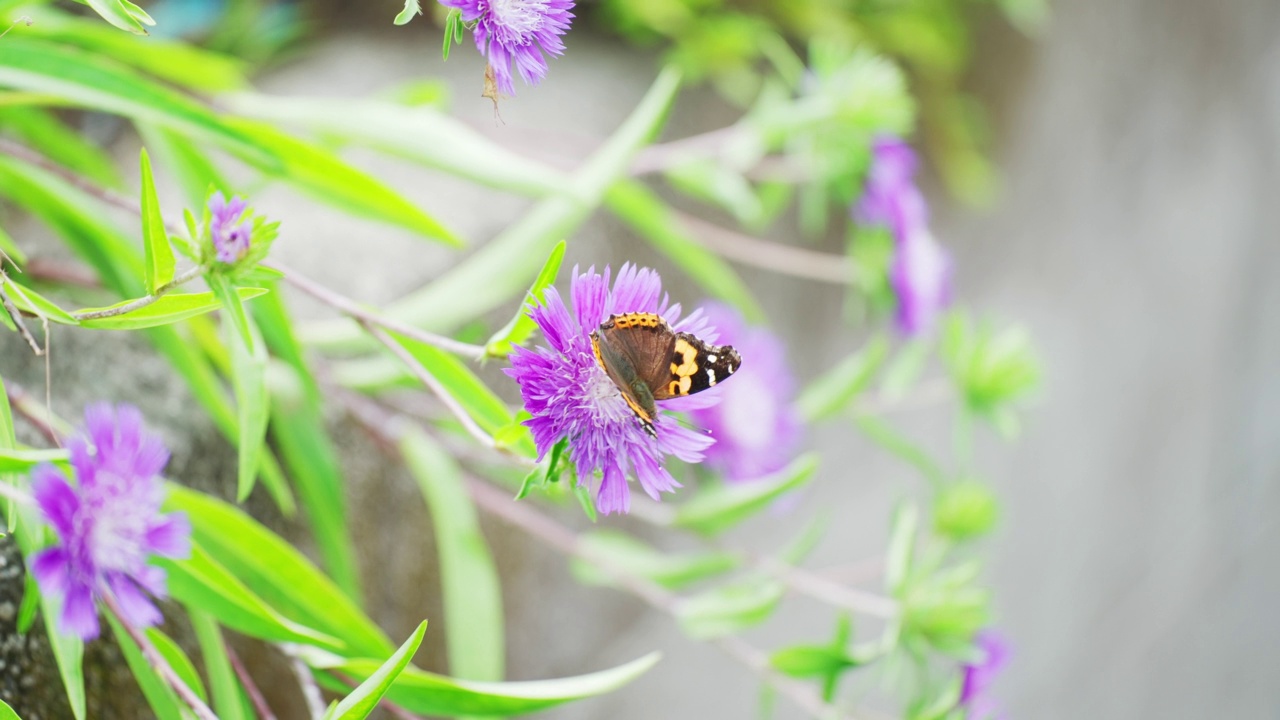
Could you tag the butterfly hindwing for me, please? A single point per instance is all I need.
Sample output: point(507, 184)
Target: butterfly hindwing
point(696, 366)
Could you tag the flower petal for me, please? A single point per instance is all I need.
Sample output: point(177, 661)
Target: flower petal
point(79, 614)
point(137, 609)
point(58, 501)
point(589, 293)
point(52, 570)
point(170, 536)
point(613, 496)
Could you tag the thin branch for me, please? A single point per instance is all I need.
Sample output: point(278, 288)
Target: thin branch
point(9, 492)
point(832, 593)
point(350, 307)
point(260, 706)
point(52, 428)
point(42, 269)
point(431, 382)
point(307, 682)
point(142, 302)
point(662, 156)
point(106, 195)
point(16, 317)
point(24, 19)
point(785, 259)
point(158, 662)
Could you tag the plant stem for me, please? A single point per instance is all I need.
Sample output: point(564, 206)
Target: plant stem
point(260, 706)
point(310, 691)
point(776, 257)
point(158, 662)
point(350, 307)
point(142, 302)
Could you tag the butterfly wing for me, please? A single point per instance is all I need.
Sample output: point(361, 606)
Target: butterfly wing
point(695, 366)
point(635, 351)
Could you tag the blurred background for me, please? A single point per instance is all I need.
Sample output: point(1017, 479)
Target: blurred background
point(1107, 181)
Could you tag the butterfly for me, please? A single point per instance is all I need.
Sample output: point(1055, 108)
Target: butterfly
point(649, 361)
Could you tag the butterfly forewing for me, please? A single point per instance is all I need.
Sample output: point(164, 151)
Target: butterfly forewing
point(696, 366)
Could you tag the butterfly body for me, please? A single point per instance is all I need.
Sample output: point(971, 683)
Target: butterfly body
point(649, 361)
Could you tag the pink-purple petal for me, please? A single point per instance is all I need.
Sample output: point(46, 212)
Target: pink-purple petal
point(57, 500)
point(170, 536)
point(79, 614)
point(134, 605)
point(51, 568)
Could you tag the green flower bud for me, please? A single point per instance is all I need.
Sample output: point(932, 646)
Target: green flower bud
point(964, 511)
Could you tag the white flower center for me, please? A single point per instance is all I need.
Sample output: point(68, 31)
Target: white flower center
point(119, 526)
point(521, 17)
point(604, 397)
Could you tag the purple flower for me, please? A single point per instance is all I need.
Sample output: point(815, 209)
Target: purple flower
point(570, 396)
point(108, 523)
point(975, 696)
point(230, 236)
point(921, 268)
point(755, 426)
point(519, 30)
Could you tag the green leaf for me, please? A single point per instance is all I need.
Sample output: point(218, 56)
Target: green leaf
point(583, 494)
point(905, 368)
point(7, 713)
point(468, 577)
point(420, 134)
point(10, 248)
point(490, 276)
point(160, 697)
point(188, 164)
point(323, 175)
point(44, 132)
point(424, 693)
point(902, 543)
point(619, 550)
point(217, 665)
point(230, 300)
point(522, 326)
point(30, 604)
point(158, 252)
point(718, 508)
point(730, 608)
point(96, 82)
point(169, 309)
point(806, 661)
point(29, 300)
point(411, 8)
point(277, 572)
point(652, 219)
point(364, 698)
point(451, 23)
point(114, 12)
point(249, 380)
point(204, 583)
point(886, 437)
point(842, 384)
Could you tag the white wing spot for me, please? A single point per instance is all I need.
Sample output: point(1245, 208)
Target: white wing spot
point(711, 376)
point(711, 358)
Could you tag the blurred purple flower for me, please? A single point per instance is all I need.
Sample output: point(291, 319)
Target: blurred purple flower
point(570, 396)
point(755, 425)
point(921, 269)
point(108, 523)
point(230, 236)
point(975, 696)
point(516, 30)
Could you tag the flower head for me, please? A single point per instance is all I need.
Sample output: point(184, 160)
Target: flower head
point(230, 234)
point(570, 396)
point(109, 522)
point(921, 268)
point(755, 425)
point(519, 31)
point(975, 696)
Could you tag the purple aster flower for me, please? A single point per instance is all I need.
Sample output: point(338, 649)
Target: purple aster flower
point(975, 696)
point(230, 236)
point(755, 425)
point(108, 523)
point(921, 268)
point(570, 396)
point(519, 31)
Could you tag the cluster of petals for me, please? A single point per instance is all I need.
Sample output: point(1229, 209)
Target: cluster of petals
point(229, 233)
point(755, 425)
point(975, 695)
point(921, 270)
point(108, 522)
point(516, 31)
point(571, 398)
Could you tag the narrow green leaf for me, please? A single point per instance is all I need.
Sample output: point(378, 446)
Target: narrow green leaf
point(364, 698)
point(671, 570)
point(7, 713)
point(277, 572)
point(9, 444)
point(158, 252)
point(902, 542)
point(882, 434)
point(424, 693)
point(468, 576)
point(450, 23)
point(230, 300)
point(10, 248)
point(716, 509)
point(905, 368)
point(521, 327)
point(322, 174)
point(249, 380)
point(222, 678)
point(114, 12)
point(489, 277)
point(169, 309)
point(583, 494)
point(202, 582)
point(189, 165)
point(162, 700)
point(731, 608)
point(806, 661)
point(649, 216)
point(30, 604)
point(841, 385)
point(43, 131)
point(29, 300)
point(411, 8)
